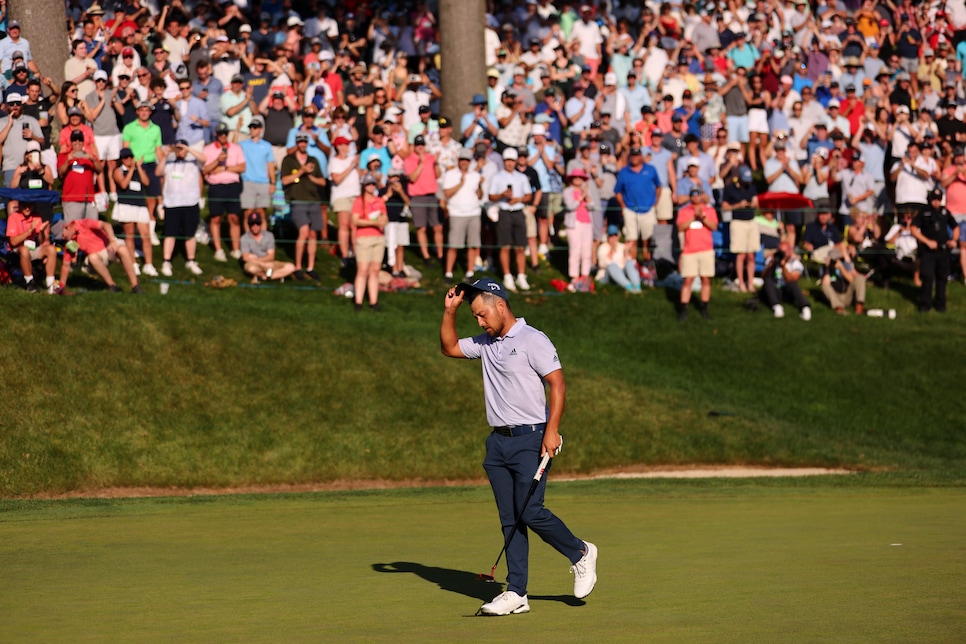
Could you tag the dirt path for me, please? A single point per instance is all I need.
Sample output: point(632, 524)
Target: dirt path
point(680, 472)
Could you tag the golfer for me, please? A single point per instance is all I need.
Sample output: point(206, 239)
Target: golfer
point(517, 361)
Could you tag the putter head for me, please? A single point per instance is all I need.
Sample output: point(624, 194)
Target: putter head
point(488, 578)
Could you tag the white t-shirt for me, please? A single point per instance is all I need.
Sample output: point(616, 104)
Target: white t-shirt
point(465, 203)
point(350, 186)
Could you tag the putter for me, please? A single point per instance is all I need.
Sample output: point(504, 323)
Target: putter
point(533, 486)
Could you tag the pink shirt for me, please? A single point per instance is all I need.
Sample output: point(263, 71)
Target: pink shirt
point(425, 184)
point(371, 208)
point(235, 157)
point(955, 192)
point(697, 237)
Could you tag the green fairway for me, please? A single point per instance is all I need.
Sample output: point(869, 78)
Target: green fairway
point(681, 562)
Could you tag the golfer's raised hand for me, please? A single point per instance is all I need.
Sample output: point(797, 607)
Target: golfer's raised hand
point(453, 299)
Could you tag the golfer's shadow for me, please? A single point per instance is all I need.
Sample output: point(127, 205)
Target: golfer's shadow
point(462, 582)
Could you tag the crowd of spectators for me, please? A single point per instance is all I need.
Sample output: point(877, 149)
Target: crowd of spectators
point(793, 124)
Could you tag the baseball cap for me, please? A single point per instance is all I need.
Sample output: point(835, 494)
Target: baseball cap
point(419, 140)
point(100, 74)
point(256, 122)
point(635, 151)
point(245, 29)
point(341, 140)
point(510, 154)
point(693, 162)
point(656, 132)
point(254, 218)
point(368, 179)
point(222, 128)
point(478, 99)
point(445, 122)
point(14, 97)
point(127, 51)
point(424, 109)
point(302, 136)
point(34, 146)
point(833, 103)
point(74, 111)
point(466, 154)
point(744, 174)
point(696, 192)
point(539, 130)
point(238, 78)
point(935, 193)
point(76, 135)
point(14, 24)
point(293, 21)
point(610, 78)
point(483, 285)
point(613, 230)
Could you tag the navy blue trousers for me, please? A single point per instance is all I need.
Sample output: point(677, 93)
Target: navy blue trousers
point(511, 462)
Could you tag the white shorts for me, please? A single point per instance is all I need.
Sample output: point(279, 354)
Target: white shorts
point(108, 147)
point(397, 234)
point(639, 226)
point(758, 121)
point(256, 195)
point(127, 214)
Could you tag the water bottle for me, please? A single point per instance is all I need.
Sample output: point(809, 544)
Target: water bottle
point(875, 313)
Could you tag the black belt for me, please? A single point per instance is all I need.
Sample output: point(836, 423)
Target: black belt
point(519, 430)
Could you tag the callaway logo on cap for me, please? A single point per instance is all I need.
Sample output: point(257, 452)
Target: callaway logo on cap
point(483, 285)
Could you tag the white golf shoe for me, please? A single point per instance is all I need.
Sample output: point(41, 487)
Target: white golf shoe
point(806, 314)
point(778, 310)
point(585, 572)
point(522, 282)
point(509, 284)
point(508, 603)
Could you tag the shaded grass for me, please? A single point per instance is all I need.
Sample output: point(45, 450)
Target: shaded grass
point(288, 385)
point(682, 561)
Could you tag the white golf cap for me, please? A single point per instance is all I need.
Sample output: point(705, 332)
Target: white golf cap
point(510, 154)
point(610, 78)
point(100, 74)
point(539, 130)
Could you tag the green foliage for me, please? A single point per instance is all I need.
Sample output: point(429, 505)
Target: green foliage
point(289, 385)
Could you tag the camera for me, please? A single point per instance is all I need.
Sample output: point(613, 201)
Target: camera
point(779, 256)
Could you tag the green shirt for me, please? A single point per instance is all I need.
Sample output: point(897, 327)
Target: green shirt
point(143, 141)
point(304, 190)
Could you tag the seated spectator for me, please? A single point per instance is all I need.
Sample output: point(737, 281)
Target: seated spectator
point(781, 276)
point(842, 285)
point(258, 253)
point(904, 261)
point(96, 239)
point(29, 237)
point(821, 238)
point(613, 265)
point(34, 174)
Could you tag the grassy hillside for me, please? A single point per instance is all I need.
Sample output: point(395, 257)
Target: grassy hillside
point(288, 384)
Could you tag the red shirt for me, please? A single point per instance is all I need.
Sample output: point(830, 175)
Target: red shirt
point(64, 139)
point(18, 224)
point(78, 180)
point(697, 236)
point(372, 209)
point(89, 237)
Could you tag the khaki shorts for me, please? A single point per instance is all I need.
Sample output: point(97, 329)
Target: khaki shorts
point(344, 204)
point(530, 217)
point(745, 236)
point(665, 206)
point(698, 264)
point(639, 226)
point(370, 249)
point(108, 255)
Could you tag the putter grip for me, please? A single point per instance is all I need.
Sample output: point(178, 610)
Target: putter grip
point(543, 467)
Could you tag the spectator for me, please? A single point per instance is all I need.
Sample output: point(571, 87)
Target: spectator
point(224, 163)
point(475, 123)
point(740, 198)
point(954, 181)
point(183, 185)
point(900, 236)
point(29, 237)
point(258, 253)
point(302, 178)
point(546, 158)
point(13, 45)
point(79, 69)
point(697, 221)
point(842, 285)
point(209, 89)
point(34, 174)
point(279, 111)
point(637, 191)
point(463, 190)
point(781, 276)
point(96, 239)
point(369, 220)
point(69, 99)
point(344, 175)
point(104, 108)
point(143, 137)
point(16, 131)
point(423, 173)
point(530, 210)
point(613, 264)
point(511, 191)
point(192, 115)
point(577, 222)
point(132, 181)
point(782, 174)
point(237, 105)
point(78, 169)
point(397, 230)
point(821, 239)
point(37, 105)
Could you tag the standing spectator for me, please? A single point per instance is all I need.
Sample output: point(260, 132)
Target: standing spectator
point(783, 175)
point(144, 139)
point(96, 239)
point(40, 107)
point(209, 89)
point(781, 276)
point(104, 108)
point(224, 163)
point(580, 234)
point(14, 44)
point(740, 198)
point(954, 181)
point(78, 169)
point(183, 185)
point(279, 119)
point(369, 220)
point(301, 178)
point(258, 253)
point(68, 100)
point(79, 69)
point(359, 99)
point(423, 174)
point(697, 221)
point(16, 131)
point(258, 180)
point(931, 229)
point(479, 121)
point(35, 174)
point(637, 191)
point(587, 33)
point(29, 237)
point(131, 211)
point(192, 114)
point(397, 230)
point(463, 190)
point(237, 105)
point(546, 158)
point(511, 191)
point(345, 187)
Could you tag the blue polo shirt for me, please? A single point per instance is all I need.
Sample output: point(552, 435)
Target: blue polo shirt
point(639, 189)
point(513, 370)
point(257, 157)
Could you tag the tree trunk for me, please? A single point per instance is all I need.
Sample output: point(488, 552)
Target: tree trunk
point(44, 25)
point(463, 70)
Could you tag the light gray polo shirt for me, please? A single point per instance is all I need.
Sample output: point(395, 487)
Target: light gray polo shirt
point(513, 371)
point(258, 247)
point(15, 147)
